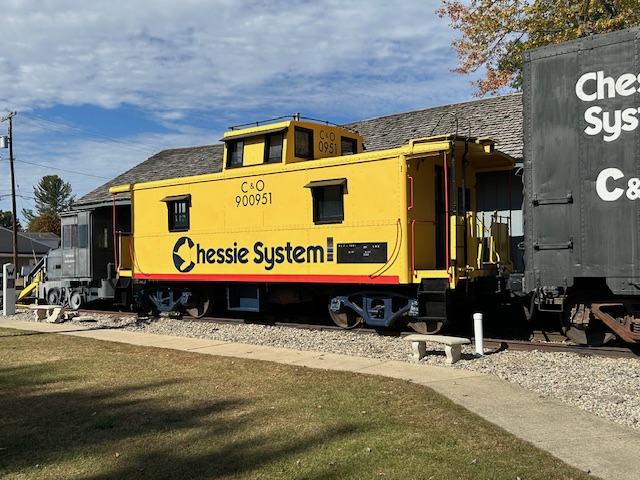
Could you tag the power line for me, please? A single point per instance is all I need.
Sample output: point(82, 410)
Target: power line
point(97, 137)
point(62, 169)
point(26, 197)
point(88, 132)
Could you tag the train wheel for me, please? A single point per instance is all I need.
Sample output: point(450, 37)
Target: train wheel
point(75, 300)
point(205, 305)
point(580, 325)
point(53, 296)
point(346, 320)
point(426, 328)
point(148, 311)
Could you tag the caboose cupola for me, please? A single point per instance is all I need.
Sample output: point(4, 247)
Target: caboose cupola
point(285, 142)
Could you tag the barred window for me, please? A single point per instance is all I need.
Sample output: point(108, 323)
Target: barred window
point(178, 210)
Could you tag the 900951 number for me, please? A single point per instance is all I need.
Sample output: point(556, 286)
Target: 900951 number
point(252, 199)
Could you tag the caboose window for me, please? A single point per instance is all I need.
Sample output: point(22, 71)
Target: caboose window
point(304, 143)
point(178, 216)
point(328, 200)
point(349, 145)
point(69, 236)
point(178, 209)
point(273, 148)
point(235, 150)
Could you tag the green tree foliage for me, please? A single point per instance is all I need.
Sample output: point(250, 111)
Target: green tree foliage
point(52, 196)
point(495, 33)
point(6, 220)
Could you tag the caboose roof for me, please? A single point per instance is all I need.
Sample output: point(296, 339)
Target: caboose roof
point(497, 117)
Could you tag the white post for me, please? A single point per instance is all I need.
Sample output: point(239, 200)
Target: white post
point(8, 289)
point(477, 330)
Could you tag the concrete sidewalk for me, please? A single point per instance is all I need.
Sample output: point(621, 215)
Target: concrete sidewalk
point(590, 443)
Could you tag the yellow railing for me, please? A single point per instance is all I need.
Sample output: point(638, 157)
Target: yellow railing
point(125, 262)
point(494, 243)
point(487, 248)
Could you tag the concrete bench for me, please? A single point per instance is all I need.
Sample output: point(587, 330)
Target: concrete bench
point(452, 345)
point(48, 313)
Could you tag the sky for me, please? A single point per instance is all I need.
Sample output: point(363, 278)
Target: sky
point(99, 87)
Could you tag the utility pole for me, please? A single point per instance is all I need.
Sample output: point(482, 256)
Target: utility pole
point(13, 191)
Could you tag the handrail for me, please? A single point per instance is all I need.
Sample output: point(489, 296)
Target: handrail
point(394, 253)
point(411, 190)
point(447, 240)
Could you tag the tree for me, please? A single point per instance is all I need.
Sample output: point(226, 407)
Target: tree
point(45, 222)
point(6, 220)
point(495, 33)
point(52, 196)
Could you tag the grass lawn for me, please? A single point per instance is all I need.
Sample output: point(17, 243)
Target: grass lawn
point(74, 408)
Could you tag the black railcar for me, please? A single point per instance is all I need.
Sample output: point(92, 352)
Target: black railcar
point(582, 188)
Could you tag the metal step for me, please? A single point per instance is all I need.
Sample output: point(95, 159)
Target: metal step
point(432, 299)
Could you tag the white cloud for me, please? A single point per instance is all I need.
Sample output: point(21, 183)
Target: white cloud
point(180, 53)
point(223, 60)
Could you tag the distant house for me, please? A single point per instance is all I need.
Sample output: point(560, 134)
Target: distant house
point(31, 247)
point(47, 238)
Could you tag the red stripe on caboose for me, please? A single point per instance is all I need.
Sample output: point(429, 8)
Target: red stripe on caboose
point(265, 278)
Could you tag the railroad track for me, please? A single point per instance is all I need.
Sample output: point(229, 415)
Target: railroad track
point(543, 341)
point(559, 347)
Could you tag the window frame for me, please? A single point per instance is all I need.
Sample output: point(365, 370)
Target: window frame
point(235, 153)
point(267, 147)
point(178, 212)
point(69, 236)
point(75, 235)
point(300, 130)
point(352, 141)
point(319, 189)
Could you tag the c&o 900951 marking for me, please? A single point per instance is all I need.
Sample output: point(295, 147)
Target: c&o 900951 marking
point(253, 199)
point(253, 194)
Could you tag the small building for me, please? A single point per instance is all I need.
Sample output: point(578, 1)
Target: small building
point(31, 248)
point(47, 238)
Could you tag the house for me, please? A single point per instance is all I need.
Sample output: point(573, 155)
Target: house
point(31, 247)
point(47, 238)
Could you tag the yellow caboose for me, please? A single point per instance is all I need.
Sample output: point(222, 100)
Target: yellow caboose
point(299, 210)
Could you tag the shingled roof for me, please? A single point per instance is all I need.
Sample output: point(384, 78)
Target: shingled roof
point(497, 117)
point(172, 163)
